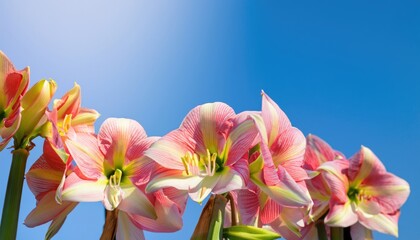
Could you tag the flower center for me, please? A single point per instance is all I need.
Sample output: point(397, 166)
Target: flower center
point(353, 193)
point(64, 126)
point(206, 165)
point(114, 190)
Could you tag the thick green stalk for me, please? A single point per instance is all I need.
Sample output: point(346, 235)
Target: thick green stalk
point(11, 206)
point(337, 233)
point(322, 233)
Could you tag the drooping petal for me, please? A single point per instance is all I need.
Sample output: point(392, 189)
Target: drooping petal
point(59, 221)
point(126, 229)
point(341, 215)
point(80, 190)
point(47, 209)
point(249, 206)
point(360, 232)
point(206, 186)
point(275, 119)
point(87, 155)
point(229, 180)
point(136, 202)
point(289, 223)
point(169, 218)
point(119, 139)
point(286, 192)
point(42, 177)
point(384, 223)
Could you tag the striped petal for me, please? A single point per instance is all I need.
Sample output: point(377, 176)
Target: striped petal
point(126, 229)
point(384, 223)
point(120, 140)
point(136, 202)
point(275, 119)
point(317, 152)
point(79, 190)
point(363, 164)
point(240, 140)
point(87, 155)
point(47, 209)
point(341, 215)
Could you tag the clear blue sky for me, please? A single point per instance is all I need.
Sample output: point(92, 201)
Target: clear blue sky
point(348, 72)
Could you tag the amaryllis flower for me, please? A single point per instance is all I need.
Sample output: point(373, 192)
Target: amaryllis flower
point(113, 169)
point(363, 191)
point(13, 85)
point(208, 153)
point(277, 172)
point(318, 152)
point(69, 118)
point(43, 178)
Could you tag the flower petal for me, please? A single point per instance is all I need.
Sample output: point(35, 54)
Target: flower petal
point(317, 152)
point(136, 202)
point(240, 140)
point(275, 119)
point(87, 155)
point(172, 178)
point(47, 209)
point(363, 164)
point(169, 218)
point(207, 124)
point(79, 190)
point(359, 232)
point(289, 147)
point(341, 215)
point(384, 223)
point(168, 150)
point(120, 140)
point(126, 229)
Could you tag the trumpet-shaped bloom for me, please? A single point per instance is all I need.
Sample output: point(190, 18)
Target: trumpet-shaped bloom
point(113, 169)
point(43, 178)
point(318, 152)
point(363, 191)
point(282, 196)
point(208, 153)
point(69, 118)
point(13, 85)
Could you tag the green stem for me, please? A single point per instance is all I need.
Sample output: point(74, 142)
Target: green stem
point(337, 233)
point(322, 233)
point(11, 206)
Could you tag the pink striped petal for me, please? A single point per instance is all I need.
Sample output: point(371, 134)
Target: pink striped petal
point(87, 155)
point(168, 150)
point(169, 218)
point(317, 152)
point(359, 232)
point(120, 140)
point(289, 146)
point(126, 229)
point(47, 209)
point(275, 119)
point(207, 124)
point(334, 174)
point(240, 140)
point(136, 202)
point(384, 223)
point(249, 206)
point(43, 178)
point(363, 164)
point(270, 211)
point(229, 180)
point(172, 178)
point(389, 190)
point(341, 215)
point(79, 190)
point(289, 223)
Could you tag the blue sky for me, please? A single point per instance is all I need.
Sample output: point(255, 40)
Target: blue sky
point(347, 72)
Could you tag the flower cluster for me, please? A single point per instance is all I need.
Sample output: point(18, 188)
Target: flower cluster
point(277, 182)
